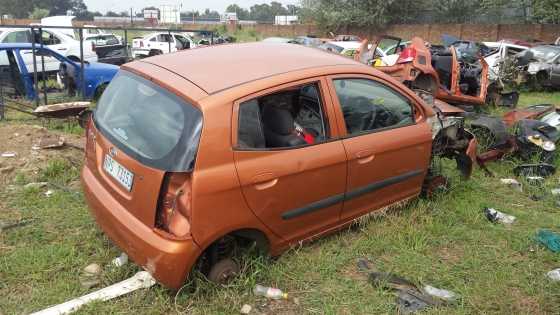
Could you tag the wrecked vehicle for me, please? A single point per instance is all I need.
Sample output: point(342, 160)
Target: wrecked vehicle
point(18, 82)
point(542, 64)
point(185, 170)
point(535, 133)
point(453, 74)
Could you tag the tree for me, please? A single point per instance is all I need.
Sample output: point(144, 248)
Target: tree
point(111, 14)
point(242, 14)
point(546, 11)
point(215, 15)
point(38, 13)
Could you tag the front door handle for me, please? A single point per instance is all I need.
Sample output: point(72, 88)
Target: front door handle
point(264, 181)
point(365, 156)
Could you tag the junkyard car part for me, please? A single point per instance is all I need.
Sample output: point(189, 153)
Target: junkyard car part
point(494, 216)
point(183, 169)
point(541, 169)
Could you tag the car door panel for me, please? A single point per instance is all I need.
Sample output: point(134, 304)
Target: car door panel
point(385, 165)
point(297, 192)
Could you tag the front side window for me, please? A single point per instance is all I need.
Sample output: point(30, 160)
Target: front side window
point(290, 118)
point(368, 106)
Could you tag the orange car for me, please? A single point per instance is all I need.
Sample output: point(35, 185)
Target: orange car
point(192, 156)
point(450, 74)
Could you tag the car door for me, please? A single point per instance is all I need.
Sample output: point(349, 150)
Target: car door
point(55, 43)
point(387, 141)
point(293, 183)
point(555, 72)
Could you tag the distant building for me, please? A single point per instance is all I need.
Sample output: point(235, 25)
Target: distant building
point(169, 14)
point(151, 15)
point(229, 17)
point(285, 19)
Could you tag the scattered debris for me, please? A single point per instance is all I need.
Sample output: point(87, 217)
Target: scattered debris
point(9, 154)
point(8, 225)
point(246, 309)
point(440, 293)
point(513, 183)
point(92, 269)
point(540, 169)
point(549, 239)
point(409, 297)
point(36, 185)
point(494, 216)
point(554, 274)
point(141, 280)
point(271, 293)
point(61, 110)
point(555, 191)
point(49, 193)
point(120, 261)
point(91, 276)
point(49, 142)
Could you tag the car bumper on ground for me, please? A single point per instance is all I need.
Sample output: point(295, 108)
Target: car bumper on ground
point(169, 261)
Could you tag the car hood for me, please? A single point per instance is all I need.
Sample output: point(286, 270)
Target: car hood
point(101, 66)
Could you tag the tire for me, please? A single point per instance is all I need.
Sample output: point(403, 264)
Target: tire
point(223, 271)
point(155, 52)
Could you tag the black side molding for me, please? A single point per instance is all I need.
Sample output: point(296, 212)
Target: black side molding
point(318, 205)
point(327, 202)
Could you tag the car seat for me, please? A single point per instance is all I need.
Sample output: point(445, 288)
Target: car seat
point(278, 128)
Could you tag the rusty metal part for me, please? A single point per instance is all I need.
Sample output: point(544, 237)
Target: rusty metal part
point(531, 112)
point(61, 110)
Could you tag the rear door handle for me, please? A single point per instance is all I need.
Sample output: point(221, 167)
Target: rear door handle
point(264, 181)
point(365, 156)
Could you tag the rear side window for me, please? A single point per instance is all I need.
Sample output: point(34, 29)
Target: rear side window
point(290, 118)
point(149, 123)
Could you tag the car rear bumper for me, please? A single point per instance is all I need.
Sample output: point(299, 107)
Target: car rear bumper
point(169, 261)
point(140, 52)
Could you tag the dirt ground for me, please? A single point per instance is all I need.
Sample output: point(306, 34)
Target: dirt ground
point(28, 142)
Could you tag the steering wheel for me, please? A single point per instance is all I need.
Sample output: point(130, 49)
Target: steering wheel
point(381, 117)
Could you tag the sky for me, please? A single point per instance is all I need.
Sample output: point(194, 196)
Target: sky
point(188, 5)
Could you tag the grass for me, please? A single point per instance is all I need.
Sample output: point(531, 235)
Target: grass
point(445, 242)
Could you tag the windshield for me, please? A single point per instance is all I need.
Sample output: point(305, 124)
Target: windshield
point(545, 53)
point(149, 123)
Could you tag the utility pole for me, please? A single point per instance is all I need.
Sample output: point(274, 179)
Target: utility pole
point(131, 21)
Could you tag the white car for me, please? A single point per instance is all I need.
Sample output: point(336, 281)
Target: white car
point(55, 40)
point(350, 48)
point(160, 43)
point(89, 32)
point(500, 51)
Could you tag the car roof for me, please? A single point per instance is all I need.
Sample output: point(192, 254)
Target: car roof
point(221, 67)
point(19, 46)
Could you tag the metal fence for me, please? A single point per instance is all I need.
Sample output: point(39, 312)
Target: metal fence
point(38, 44)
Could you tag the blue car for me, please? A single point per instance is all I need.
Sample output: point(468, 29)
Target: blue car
point(17, 79)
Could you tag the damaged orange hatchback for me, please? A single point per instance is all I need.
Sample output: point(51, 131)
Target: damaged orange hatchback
point(193, 156)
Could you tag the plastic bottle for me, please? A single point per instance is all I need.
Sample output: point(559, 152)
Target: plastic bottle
point(271, 293)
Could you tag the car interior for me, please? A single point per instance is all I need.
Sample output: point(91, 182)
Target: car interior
point(368, 106)
point(289, 118)
point(470, 68)
point(10, 77)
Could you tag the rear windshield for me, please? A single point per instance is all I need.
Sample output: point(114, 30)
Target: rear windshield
point(149, 123)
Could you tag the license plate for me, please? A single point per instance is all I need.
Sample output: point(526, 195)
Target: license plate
point(118, 172)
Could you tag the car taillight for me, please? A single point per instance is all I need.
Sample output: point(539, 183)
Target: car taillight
point(407, 55)
point(141, 44)
point(173, 214)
